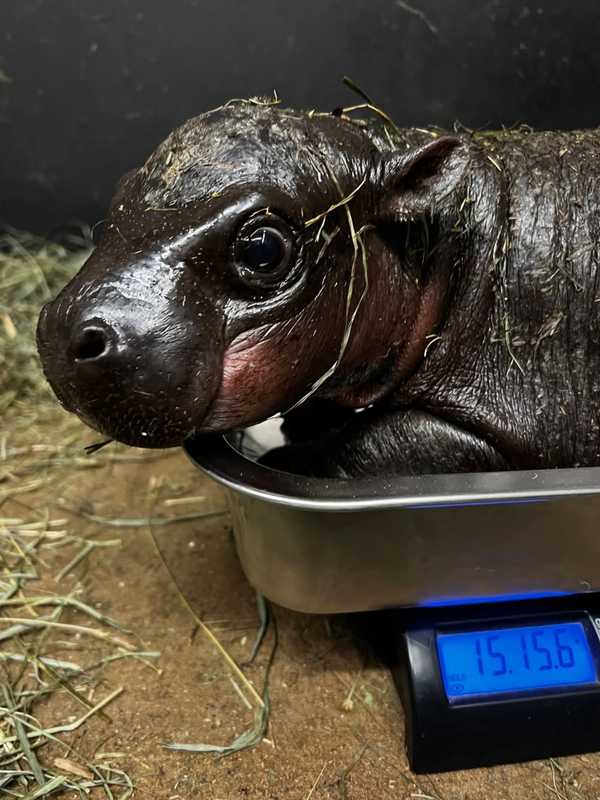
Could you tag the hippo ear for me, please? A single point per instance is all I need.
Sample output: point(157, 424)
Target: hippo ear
point(417, 181)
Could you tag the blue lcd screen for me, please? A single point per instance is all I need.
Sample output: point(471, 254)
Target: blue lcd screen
point(515, 659)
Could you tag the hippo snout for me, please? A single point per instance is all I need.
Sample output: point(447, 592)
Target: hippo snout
point(127, 366)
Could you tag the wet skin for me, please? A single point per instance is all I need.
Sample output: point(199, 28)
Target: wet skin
point(435, 293)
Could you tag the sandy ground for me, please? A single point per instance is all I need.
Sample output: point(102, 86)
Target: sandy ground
point(320, 744)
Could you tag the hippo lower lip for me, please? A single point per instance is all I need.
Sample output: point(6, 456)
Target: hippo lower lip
point(140, 430)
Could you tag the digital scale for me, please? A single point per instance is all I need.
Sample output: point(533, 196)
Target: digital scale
point(500, 683)
point(491, 583)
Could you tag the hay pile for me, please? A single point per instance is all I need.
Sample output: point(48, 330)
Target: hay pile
point(32, 271)
point(45, 620)
point(53, 645)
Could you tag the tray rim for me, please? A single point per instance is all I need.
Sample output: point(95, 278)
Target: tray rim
point(223, 462)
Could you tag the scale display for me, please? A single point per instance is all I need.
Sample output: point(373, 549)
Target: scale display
point(515, 659)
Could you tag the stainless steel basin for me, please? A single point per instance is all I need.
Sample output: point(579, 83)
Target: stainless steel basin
point(327, 546)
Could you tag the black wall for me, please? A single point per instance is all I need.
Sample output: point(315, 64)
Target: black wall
point(89, 87)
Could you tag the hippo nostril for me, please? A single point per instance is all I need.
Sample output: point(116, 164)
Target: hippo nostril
point(91, 343)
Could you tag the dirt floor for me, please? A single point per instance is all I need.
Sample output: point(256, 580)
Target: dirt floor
point(336, 728)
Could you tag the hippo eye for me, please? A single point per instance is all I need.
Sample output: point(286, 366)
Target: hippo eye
point(264, 250)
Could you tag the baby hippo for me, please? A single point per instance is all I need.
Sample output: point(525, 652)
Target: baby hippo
point(428, 300)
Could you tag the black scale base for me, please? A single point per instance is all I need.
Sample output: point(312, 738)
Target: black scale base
point(449, 726)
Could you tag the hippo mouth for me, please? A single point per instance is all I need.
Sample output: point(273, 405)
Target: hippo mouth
point(129, 414)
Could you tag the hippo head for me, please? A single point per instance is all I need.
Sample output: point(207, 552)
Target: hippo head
point(258, 254)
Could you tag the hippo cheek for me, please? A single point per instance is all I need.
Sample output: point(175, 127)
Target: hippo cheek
point(263, 378)
point(147, 387)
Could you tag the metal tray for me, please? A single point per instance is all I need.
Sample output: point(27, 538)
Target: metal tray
point(328, 546)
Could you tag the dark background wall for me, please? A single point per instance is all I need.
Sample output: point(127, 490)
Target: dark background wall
point(89, 87)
